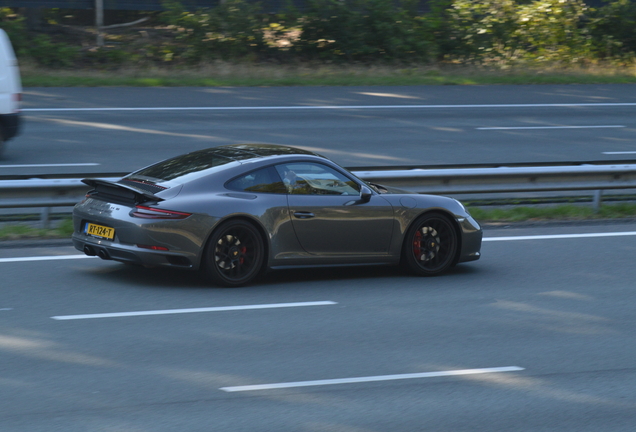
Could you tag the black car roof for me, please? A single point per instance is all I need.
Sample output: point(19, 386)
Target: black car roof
point(244, 151)
point(204, 161)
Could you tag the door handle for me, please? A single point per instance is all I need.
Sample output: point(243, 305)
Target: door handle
point(303, 215)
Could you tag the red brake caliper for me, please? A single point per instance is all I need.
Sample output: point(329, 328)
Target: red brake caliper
point(243, 251)
point(417, 248)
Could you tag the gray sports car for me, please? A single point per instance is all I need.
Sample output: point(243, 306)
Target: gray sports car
point(235, 211)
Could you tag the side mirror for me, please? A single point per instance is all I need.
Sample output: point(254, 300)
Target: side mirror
point(365, 194)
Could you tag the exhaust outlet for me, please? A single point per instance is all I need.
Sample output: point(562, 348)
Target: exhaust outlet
point(89, 251)
point(103, 254)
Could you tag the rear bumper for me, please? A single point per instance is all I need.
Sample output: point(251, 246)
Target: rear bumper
point(168, 243)
point(130, 254)
point(10, 125)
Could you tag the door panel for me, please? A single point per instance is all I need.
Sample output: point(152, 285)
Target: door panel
point(341, 224)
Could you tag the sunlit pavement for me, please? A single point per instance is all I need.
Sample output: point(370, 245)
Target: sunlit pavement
point(548, 324)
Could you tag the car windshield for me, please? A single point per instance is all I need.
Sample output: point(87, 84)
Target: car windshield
point(190, 163)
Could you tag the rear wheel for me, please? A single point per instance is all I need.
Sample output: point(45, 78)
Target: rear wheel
point(234, 255)
point(430, 245)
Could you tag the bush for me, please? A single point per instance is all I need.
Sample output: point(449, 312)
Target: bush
point(15, 27)
point(553, 30)
point(492, 32)
point(506, 31)
point(39, 47)
point(229, 31)
point(107, 57)
point(363, 30)
point(612, 28)
point(52, 54)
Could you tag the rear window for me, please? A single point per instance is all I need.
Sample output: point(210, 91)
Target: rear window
point(190, 163)
point(264, 180)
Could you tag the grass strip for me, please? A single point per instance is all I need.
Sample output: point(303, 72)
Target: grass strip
point(567, 212)
point(236, 75)
point(25, 232)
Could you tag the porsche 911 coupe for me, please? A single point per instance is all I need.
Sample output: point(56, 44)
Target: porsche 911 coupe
point(236, 211)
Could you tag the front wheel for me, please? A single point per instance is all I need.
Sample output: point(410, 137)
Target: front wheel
point(430, 245)
point(234, 254)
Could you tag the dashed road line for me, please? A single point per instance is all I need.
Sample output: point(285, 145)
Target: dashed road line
point(370, 379)
point(192, 310)
point(44, 258)
point(548, 127)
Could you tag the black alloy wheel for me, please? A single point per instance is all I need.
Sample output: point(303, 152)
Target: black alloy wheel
point(234, 254)
point(430, 245)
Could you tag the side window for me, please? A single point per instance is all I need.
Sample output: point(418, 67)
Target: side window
point(265, 180)
point(306, 178)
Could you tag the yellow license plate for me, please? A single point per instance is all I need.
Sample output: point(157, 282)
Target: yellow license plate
point(99, 231)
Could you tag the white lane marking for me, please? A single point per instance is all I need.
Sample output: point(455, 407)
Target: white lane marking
point(49, 165)
point(193, 310)
point(6, 309)
point(310, 107)
point(549, 127)
point(44, 258)
point(560, 236)
point(619, 152)
point(371, 379)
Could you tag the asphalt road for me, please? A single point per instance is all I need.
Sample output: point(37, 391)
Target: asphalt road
point(559, 309)
point(122, 129)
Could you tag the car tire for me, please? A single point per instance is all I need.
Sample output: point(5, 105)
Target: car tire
point(430, 245)
point(234, 254)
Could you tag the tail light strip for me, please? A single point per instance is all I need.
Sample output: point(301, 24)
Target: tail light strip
point(155, 213)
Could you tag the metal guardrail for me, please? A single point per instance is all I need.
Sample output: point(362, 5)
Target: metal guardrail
point(39, 193)
point(42, 194)
point(504, 179)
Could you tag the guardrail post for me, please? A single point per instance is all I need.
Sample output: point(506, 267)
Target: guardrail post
point(598, 199)
point(45, 217)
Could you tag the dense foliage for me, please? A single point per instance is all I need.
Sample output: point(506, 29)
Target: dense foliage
point(494, 32)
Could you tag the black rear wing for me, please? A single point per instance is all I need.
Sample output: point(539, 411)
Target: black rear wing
point(118, 193)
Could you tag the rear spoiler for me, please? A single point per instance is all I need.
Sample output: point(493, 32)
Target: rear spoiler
point(118, 191)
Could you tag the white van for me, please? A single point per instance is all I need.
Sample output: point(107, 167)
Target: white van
point(10, 91)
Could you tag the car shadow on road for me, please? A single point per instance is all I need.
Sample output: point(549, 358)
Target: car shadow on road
point(335, 274)
point(167, 278)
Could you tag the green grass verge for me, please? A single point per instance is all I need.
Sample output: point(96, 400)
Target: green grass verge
point(26, 232)
point(561, 212)
point(241, 75)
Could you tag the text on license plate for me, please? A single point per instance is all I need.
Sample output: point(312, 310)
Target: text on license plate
point(100, 231)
